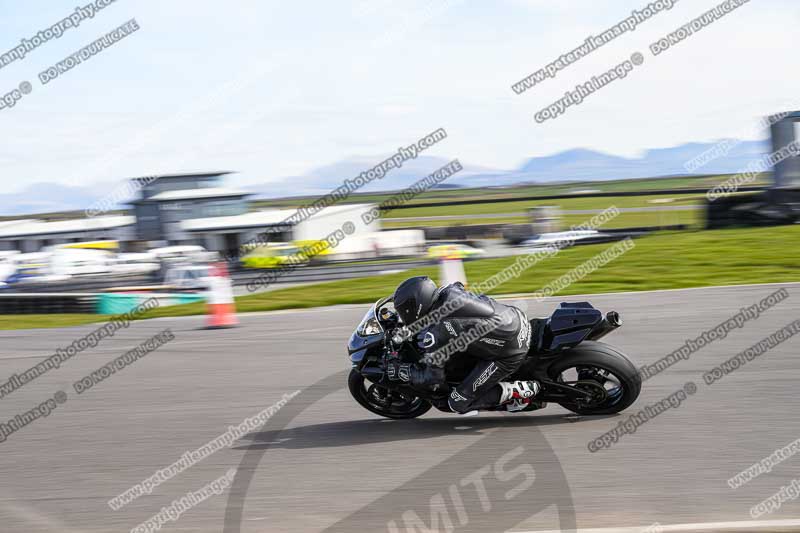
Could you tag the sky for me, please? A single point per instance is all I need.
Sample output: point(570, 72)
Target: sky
point(278, 88)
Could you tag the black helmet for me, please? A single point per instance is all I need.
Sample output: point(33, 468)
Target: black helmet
point(414, 298)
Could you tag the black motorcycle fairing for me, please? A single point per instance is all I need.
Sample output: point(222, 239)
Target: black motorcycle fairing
point(358, 357)
point(360, 342)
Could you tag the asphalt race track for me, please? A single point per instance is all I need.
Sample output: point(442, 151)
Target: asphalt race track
point(336, 467)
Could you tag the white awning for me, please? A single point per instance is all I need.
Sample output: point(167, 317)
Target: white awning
point(38, 227)
point(191, 194)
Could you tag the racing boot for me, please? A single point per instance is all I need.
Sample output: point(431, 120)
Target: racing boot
point(519, 395)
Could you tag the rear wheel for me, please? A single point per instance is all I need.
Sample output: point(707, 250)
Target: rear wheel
point(385, 402)
point(602, 370)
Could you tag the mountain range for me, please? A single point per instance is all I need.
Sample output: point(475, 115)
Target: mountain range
point(578, 164)
point(572, 165)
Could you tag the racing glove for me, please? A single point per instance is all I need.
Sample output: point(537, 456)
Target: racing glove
point(420, 376)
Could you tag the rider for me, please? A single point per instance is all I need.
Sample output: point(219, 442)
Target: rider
point(498, 335)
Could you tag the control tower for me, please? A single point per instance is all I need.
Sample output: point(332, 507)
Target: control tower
point(780, 202)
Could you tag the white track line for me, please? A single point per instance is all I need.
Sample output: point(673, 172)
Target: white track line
point(745, 526)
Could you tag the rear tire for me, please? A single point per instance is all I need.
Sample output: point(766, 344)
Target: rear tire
point(417, 407)
point(604, 357)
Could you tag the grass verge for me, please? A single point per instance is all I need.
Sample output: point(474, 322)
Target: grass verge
point(60, 320)
point(661, 261)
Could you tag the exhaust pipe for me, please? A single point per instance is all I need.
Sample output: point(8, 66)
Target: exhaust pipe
point(608, 324)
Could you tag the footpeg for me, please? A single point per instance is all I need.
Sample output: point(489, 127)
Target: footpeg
point(524, 405)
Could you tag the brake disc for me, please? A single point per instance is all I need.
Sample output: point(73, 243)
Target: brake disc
point(379, 395)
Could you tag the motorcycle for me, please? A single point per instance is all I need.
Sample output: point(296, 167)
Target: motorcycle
point(574, 369)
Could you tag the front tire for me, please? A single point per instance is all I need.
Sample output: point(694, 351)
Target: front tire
point(606, 365)
point(405, 408)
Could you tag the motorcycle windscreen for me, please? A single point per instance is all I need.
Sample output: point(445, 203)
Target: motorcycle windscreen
point(368, 334)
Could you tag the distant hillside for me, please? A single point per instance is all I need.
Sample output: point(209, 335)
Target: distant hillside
point(572, 165)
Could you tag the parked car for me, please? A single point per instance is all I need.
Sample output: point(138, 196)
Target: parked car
point(271, 256)
point(69, 262)
point(135, 263)
point(454, 251)
point(561, 238)
point(8, 267)
point(188, 252)
point(29, 267)
point(188, 277)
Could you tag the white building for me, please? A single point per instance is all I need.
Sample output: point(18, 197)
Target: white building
point(180, 209)
point(225, 234)
point(32, 235)
point(231, 232)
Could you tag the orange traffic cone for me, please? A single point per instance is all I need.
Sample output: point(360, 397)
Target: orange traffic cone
point(221, 309)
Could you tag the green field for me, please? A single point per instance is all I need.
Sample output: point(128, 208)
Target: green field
point(696, 185)
point(692, 218)
point(414, 223)
point(661, 261)
point(504, 208)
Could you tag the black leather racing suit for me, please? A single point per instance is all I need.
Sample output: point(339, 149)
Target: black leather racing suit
point(498, 335)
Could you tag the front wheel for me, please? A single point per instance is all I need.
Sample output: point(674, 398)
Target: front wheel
point(594, 363)
point(385, 402)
